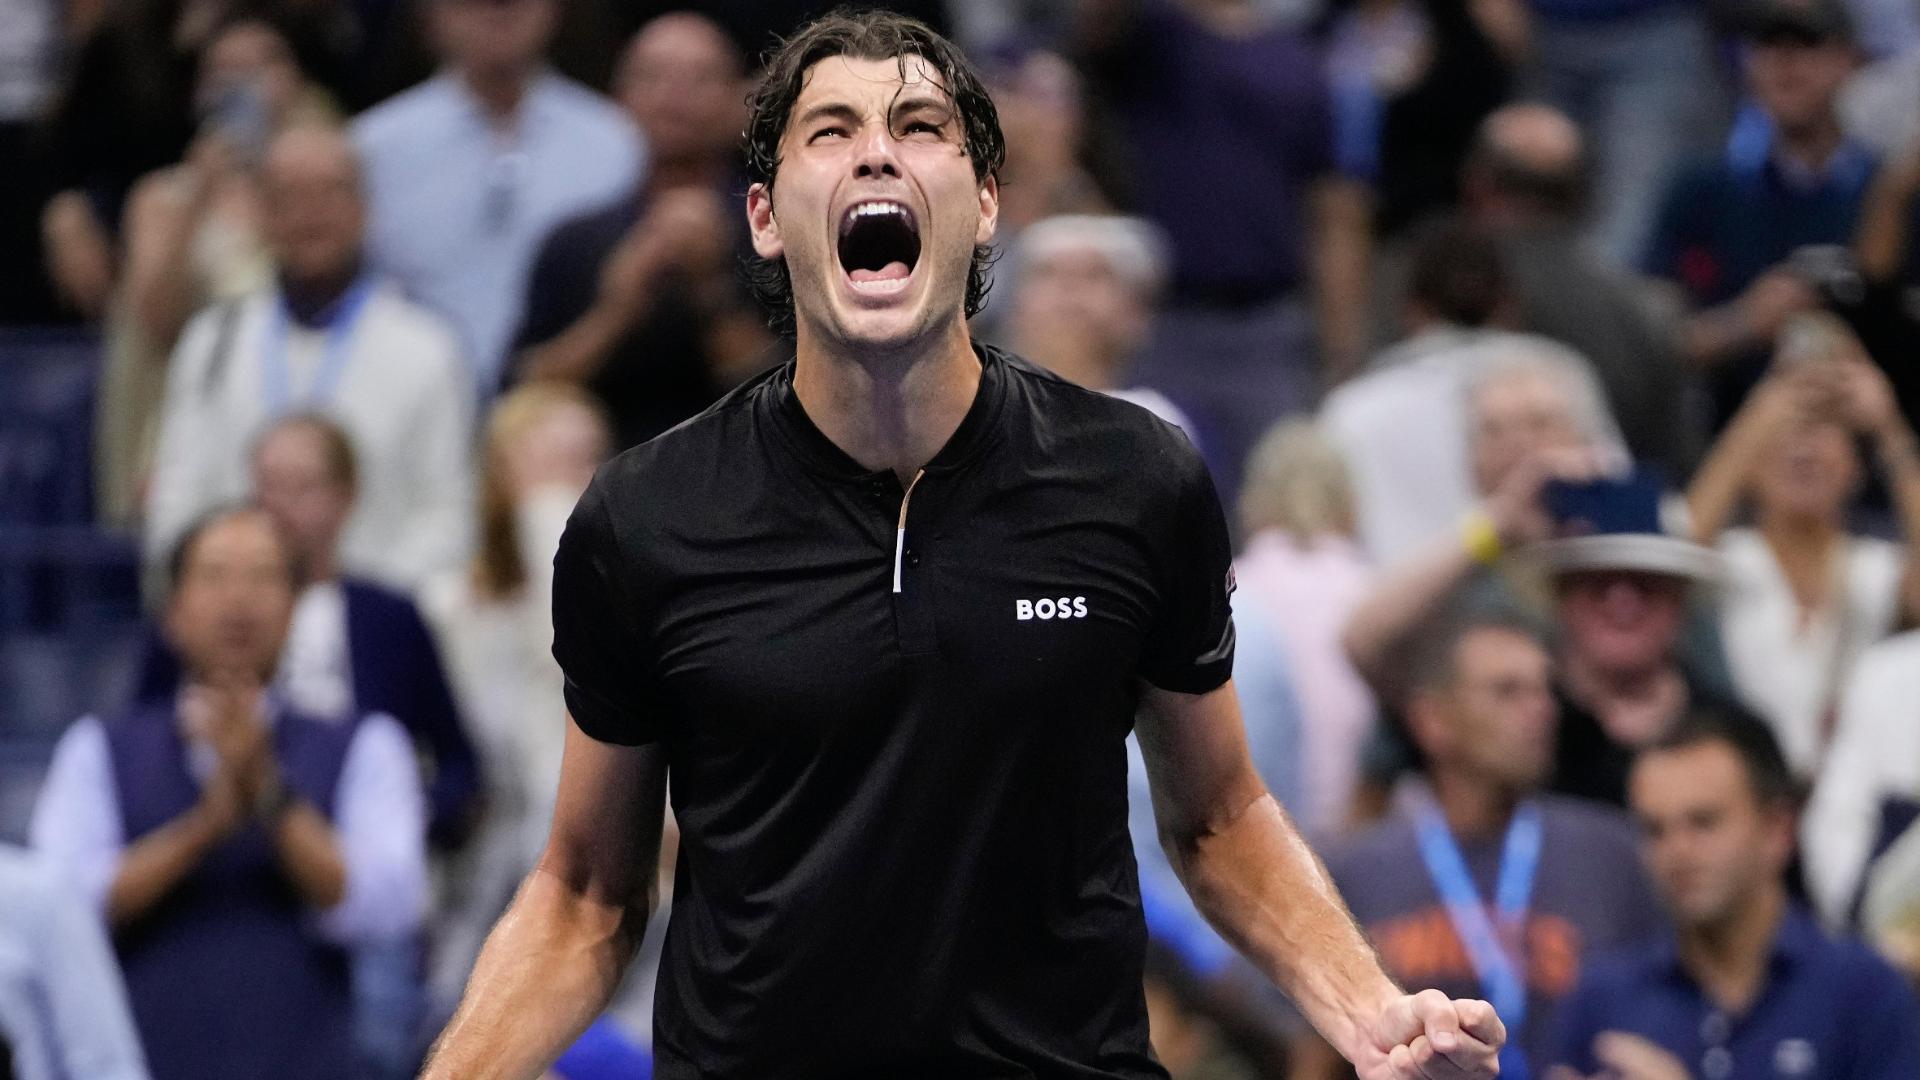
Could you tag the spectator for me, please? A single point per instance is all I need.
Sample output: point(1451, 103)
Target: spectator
point(1257, 215)
point(1051, 146)
point(193, 236)
point(641, 301)
point(1439, 419)
point(1748, 987)
point(1805, 595)
point(63, 1008)
point(235, 845)
point(1639, 77)
point(467, 172)
point(493, 618)
point(1083, 304)
point(1559, 875)
point(1728, 229)
point(328, 337)
point(1867, 797)
point(1620, 596)
point(1419, 76)
point(124, 108)
point(1525, 182)
point(1300, 557)
point(1403, 425)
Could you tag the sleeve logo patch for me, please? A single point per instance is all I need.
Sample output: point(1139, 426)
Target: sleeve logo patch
point(1064, 607)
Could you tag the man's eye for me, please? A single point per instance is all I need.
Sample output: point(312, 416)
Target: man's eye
point(825, 132)
point(922, 127)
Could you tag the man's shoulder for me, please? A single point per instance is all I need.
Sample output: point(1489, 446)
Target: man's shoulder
point(1587, 826)
point(400, 116)
point(1066, 416)
point(700, 448)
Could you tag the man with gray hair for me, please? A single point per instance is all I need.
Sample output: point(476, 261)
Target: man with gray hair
point(1084, 301)
point(1411, 426)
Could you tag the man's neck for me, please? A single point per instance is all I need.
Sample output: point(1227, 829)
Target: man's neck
point(889, 411)
point(499, 91)
point(1728, 957)
point(1633, 706)
point(319, 568)
point(1473, 808)
point(310, 298)
point(1810, 147)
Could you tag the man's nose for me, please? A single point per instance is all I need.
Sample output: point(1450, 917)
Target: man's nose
point(874, 153)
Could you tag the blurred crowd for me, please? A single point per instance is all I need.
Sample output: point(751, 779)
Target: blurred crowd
point(1557, 357)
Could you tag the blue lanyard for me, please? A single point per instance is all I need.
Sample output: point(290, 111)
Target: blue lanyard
point(333, 363)
point(1501, 977)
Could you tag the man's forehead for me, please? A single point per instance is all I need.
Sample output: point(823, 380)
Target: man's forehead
point(872, 83)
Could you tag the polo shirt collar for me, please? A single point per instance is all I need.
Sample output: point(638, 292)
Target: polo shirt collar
point(977, 431)
point(1750, 153)
point(1797, 940)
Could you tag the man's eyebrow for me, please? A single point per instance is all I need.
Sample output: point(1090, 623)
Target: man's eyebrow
point(836, 110)
point(922, 103)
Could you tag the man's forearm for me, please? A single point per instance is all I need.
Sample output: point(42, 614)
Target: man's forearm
point(1263, 888)
point(548, 970)
point(151, 866)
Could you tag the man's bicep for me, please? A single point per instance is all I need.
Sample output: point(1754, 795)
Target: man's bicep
point(1195, 747)
point(605, 842)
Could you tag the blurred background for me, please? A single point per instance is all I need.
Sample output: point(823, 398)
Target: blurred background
point(1557, 361)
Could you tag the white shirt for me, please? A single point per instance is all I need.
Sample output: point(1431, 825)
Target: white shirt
point(1402, 428)
point(1875, 753)
point(459, 207)
point(402, 396)
point(316, 672)
point(379, 818)
point(1788, 673)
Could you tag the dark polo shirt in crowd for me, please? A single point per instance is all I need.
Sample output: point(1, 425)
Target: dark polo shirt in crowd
point(895, 722)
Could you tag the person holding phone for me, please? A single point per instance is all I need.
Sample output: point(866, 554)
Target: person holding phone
point(1805, 593)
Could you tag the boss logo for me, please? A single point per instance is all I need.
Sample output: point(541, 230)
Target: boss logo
point(1065, 607)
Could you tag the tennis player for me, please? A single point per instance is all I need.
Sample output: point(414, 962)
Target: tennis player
point(886, 616)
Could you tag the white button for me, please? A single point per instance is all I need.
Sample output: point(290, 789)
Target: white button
point(1717, 1064)
point(1715, 1028)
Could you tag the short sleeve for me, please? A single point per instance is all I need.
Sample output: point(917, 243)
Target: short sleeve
point(1190, 647)
point(596, 631)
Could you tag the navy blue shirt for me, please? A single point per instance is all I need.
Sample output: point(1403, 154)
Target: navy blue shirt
point(1726, 221)
point(1830, 1010)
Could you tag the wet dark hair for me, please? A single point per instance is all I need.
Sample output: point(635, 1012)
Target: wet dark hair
point(862, 35)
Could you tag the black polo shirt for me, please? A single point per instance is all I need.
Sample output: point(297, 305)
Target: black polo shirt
point(897, 753)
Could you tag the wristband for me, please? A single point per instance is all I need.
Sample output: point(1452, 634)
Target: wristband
point(1480, 538)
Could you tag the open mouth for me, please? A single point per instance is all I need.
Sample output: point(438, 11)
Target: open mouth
point(879, 245)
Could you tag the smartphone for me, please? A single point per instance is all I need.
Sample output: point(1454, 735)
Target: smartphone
point(241, 116)
point(1613, 504)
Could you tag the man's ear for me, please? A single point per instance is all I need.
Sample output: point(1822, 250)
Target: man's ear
point(1427, 726)
point(760, 223)
point(989, 212)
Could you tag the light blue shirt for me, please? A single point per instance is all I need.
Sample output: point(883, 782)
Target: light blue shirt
point(63, 1009)
point(459, 206)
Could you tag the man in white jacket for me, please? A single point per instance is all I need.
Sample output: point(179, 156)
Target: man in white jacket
point(329, 338)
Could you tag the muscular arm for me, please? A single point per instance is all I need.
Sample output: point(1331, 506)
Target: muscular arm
point(1256, 880)
point(1248, 869)
point(557, 955)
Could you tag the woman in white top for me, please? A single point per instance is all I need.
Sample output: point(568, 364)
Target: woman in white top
point(1804, 594)
point(495, 628)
